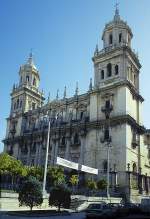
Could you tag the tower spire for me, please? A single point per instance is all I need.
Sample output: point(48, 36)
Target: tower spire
point(57, 95)
point(48, 99)
point(65, 92)
point(90, 85)
point(77, 89)
point(30, 59)
point(116, 16)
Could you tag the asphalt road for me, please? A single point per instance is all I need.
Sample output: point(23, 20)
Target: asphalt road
point(72, 216)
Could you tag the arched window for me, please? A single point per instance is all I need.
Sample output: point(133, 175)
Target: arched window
point(120, 37)
point(102, 74)
point(63, 141)
point(21, 80)
point(76, 139)
point(110, 39)
point(105, 166)
point(109, 70)
point(116, 69)
point(134, 168)
point(33, 106)
point(27, 78)
point(14, 106)
point(106, 134)
point(134, 78)
point(34, 82)
point(81, 115)
point(33, 148)
point(20, 103)
point(17, 104)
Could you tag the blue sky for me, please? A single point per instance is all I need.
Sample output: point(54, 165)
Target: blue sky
point(63, 35)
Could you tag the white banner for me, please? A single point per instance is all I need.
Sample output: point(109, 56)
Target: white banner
point(89, 170)
point(67, 163)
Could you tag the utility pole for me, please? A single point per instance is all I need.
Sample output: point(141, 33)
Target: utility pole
point(108, 181)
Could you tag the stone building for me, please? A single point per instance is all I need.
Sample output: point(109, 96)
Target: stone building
point(80, 127)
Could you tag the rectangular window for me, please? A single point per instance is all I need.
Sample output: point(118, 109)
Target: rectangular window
point(106, 135)
point(33, 106)
point(120, 38)
point(107, 104)
point(102, 74)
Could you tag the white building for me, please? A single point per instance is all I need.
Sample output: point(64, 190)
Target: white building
point(81, 131)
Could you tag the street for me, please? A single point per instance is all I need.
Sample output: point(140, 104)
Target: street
point(72, 216)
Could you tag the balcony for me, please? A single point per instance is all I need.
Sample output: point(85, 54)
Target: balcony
point(62, 146)
point(13, 131)
point(107, 109)
point(135, 143)
point(106, 139)
point(75, 144)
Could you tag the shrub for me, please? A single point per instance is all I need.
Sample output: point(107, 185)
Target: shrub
point(102, 184)
point(30, 193)
point(60, 196)
point(91, 184)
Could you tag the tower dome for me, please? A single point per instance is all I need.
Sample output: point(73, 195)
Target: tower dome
point(117, 32)
point(29, 73)
point(30, 62)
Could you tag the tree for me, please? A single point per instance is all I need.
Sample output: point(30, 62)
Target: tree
point(30, 193)
point(102, 184)
point(37, 172)
point(55, 176)
point(11, 166)
point(91, 184)
point(74, 180)
point(60, 196)
point(5, 163)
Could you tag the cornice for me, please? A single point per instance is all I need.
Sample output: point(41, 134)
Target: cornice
point(81, 127)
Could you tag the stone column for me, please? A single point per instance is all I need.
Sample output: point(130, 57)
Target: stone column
point(146, 183)
point(111, 177)
point(19, 152)
point(67, 151)
point(52, 151)
point(28, 155)
point(142, 183)
point(36, 154)
point(40, 153)
point(114, 179)
point(56, 149)
point(82, 146)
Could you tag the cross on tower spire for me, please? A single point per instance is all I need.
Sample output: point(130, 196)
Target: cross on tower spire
point(30, 59)
point(117, 16)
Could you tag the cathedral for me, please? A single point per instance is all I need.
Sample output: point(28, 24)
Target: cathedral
point(84, 126)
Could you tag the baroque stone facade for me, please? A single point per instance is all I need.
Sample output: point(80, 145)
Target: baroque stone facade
point(78, 124)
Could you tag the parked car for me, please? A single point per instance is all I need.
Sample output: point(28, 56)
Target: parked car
point(97, 211)
point(114, 205)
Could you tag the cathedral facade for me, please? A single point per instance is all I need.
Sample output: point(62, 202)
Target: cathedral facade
point(83, 126)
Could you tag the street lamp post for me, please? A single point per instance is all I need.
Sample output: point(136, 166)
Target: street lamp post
point(108, 148)
point(46, 158)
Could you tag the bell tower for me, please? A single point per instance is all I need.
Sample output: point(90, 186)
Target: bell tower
point(117, 61)
point(25, 96)
point(116, 90)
